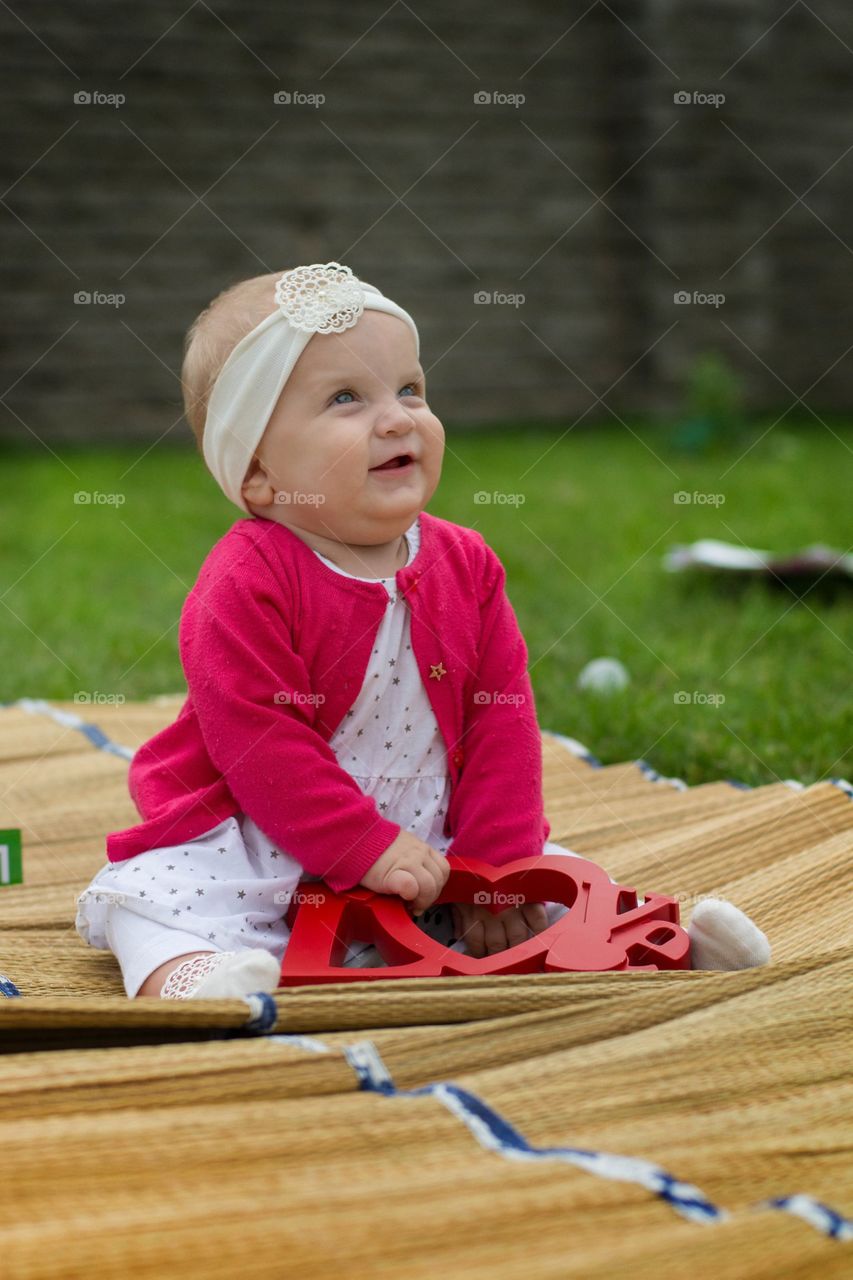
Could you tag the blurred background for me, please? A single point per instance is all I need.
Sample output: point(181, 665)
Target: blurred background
point(622, 231)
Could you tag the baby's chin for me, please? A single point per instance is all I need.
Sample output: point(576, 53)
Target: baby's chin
point(380, 516)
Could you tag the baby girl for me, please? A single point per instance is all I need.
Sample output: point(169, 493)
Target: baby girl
point(358, 702)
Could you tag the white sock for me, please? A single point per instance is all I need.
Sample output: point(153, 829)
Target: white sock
point(723, 937)
point(223, 974)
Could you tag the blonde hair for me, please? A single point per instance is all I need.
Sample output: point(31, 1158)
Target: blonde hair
point(214, 334)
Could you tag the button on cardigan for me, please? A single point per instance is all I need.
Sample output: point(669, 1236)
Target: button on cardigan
point(274, 646)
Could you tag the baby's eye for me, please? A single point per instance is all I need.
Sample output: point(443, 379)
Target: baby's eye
point(411, 387)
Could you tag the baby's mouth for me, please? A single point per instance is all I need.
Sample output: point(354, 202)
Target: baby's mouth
point(397, 463)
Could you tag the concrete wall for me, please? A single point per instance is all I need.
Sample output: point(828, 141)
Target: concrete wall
point(200, 178)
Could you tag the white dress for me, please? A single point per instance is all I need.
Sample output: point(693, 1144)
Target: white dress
point(229, 888)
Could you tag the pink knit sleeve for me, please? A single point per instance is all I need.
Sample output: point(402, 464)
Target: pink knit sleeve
point(255, 707)
point(496, 812)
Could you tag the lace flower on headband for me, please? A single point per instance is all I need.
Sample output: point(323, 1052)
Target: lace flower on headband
point(322, 298)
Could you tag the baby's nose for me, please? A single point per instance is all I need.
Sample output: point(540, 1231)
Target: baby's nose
point(395, 415)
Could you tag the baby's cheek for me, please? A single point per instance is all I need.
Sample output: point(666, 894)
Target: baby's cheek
point(435, 430)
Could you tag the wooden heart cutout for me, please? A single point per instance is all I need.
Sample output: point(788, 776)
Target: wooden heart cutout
point(604, 929)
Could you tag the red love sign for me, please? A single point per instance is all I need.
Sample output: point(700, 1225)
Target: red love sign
point(605, 927)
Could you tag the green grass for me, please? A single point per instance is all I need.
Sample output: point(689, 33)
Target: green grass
point(92, 594)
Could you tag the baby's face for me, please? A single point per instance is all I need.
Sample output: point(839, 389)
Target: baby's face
point(353, 400)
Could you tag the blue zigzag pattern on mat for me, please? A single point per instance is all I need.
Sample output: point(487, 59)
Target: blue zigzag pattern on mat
point(495, 1133)
point(264, 1014)
point(97, 737)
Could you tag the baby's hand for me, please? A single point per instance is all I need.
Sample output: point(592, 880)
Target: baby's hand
point(485, 933)
point(411, 869)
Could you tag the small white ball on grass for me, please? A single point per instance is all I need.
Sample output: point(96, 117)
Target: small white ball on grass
point(603, 675)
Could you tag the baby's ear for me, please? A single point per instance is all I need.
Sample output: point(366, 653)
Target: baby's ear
point(255, 483)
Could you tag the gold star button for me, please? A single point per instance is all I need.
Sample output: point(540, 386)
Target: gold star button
point(436, 671)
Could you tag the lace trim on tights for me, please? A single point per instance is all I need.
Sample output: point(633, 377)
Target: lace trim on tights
point(183, 980)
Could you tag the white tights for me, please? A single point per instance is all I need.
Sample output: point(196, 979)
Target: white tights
point(222, 975)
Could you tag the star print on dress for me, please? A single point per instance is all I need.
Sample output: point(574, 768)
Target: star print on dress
point(437, 670)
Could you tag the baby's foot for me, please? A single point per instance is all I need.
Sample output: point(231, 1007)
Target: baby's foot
point(723, 937)
point(221, 975)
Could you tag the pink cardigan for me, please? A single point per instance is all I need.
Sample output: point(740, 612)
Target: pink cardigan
point(275, 645)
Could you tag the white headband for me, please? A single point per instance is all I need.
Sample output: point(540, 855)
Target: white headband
point(320, 298)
